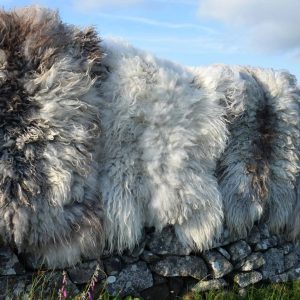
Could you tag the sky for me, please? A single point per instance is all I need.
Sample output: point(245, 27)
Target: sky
point(261, 33)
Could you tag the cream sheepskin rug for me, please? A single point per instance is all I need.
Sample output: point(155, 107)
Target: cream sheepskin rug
point(99, 140)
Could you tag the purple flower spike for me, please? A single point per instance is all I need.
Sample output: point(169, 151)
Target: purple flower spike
point(90, 296)
point(65, 294)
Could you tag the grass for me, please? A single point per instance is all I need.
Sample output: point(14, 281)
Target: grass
point(39, 289)
point(286, 291)
point(283, 291)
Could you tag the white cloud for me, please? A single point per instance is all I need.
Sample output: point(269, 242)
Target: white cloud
point(158, 23)
point(271, 25)
point(94, 4)
point(89, 5)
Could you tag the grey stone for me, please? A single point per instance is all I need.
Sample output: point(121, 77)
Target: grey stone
point(206, 285)
point(239, 250)
point(166, 243)
point(267, 243)
point(83, 272)
point(111, 279)
point(254, 236)
point(9, 263)
point(290, 275)
point(218, 263)
point(224, 252)
point(274, 265)
point(294, 274)
point(290, 260)
point(149, 257)
point(131, 280)
point(172, 266)
point(112, 265)
point(252, 262)
point(245, 279)
point(287, 248)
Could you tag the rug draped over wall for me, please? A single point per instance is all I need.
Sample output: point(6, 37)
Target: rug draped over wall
point(99, 140)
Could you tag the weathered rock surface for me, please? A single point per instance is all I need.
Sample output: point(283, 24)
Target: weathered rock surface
point(219, 265)
point(290, 260)
point(224, 252)
point(166, 243)
point(131, 280)
point(172, 266)
point(239, 250)
point(266, 243)
point(274, 263)
point(206, 285)
point(292, 274)
point(252, 262)
point(245, 279)
point(287, 248)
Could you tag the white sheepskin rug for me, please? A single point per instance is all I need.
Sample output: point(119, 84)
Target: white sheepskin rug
point(50, 203)
point(162, 136)
point(196, 148)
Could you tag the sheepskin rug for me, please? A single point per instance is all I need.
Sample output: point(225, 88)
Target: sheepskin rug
point(99, 140)
point(162, 136)
point(50, 203)
point(258, 170)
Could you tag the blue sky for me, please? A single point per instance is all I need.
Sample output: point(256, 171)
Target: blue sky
point(195, 32)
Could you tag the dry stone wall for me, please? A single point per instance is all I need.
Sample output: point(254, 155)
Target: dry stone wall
point(160, 268)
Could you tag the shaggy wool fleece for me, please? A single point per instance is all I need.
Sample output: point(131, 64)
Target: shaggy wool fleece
point(162, 136)
point(258, 170)
point(50, 201)
point(196, 148)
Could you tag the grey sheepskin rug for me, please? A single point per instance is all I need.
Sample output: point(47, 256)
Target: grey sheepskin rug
point(50, 204)
point(257, 173)
point(99, 140)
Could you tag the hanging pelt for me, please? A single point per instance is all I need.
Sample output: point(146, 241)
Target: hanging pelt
point(257, 172)
point(162, 136)
point(50, 205)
